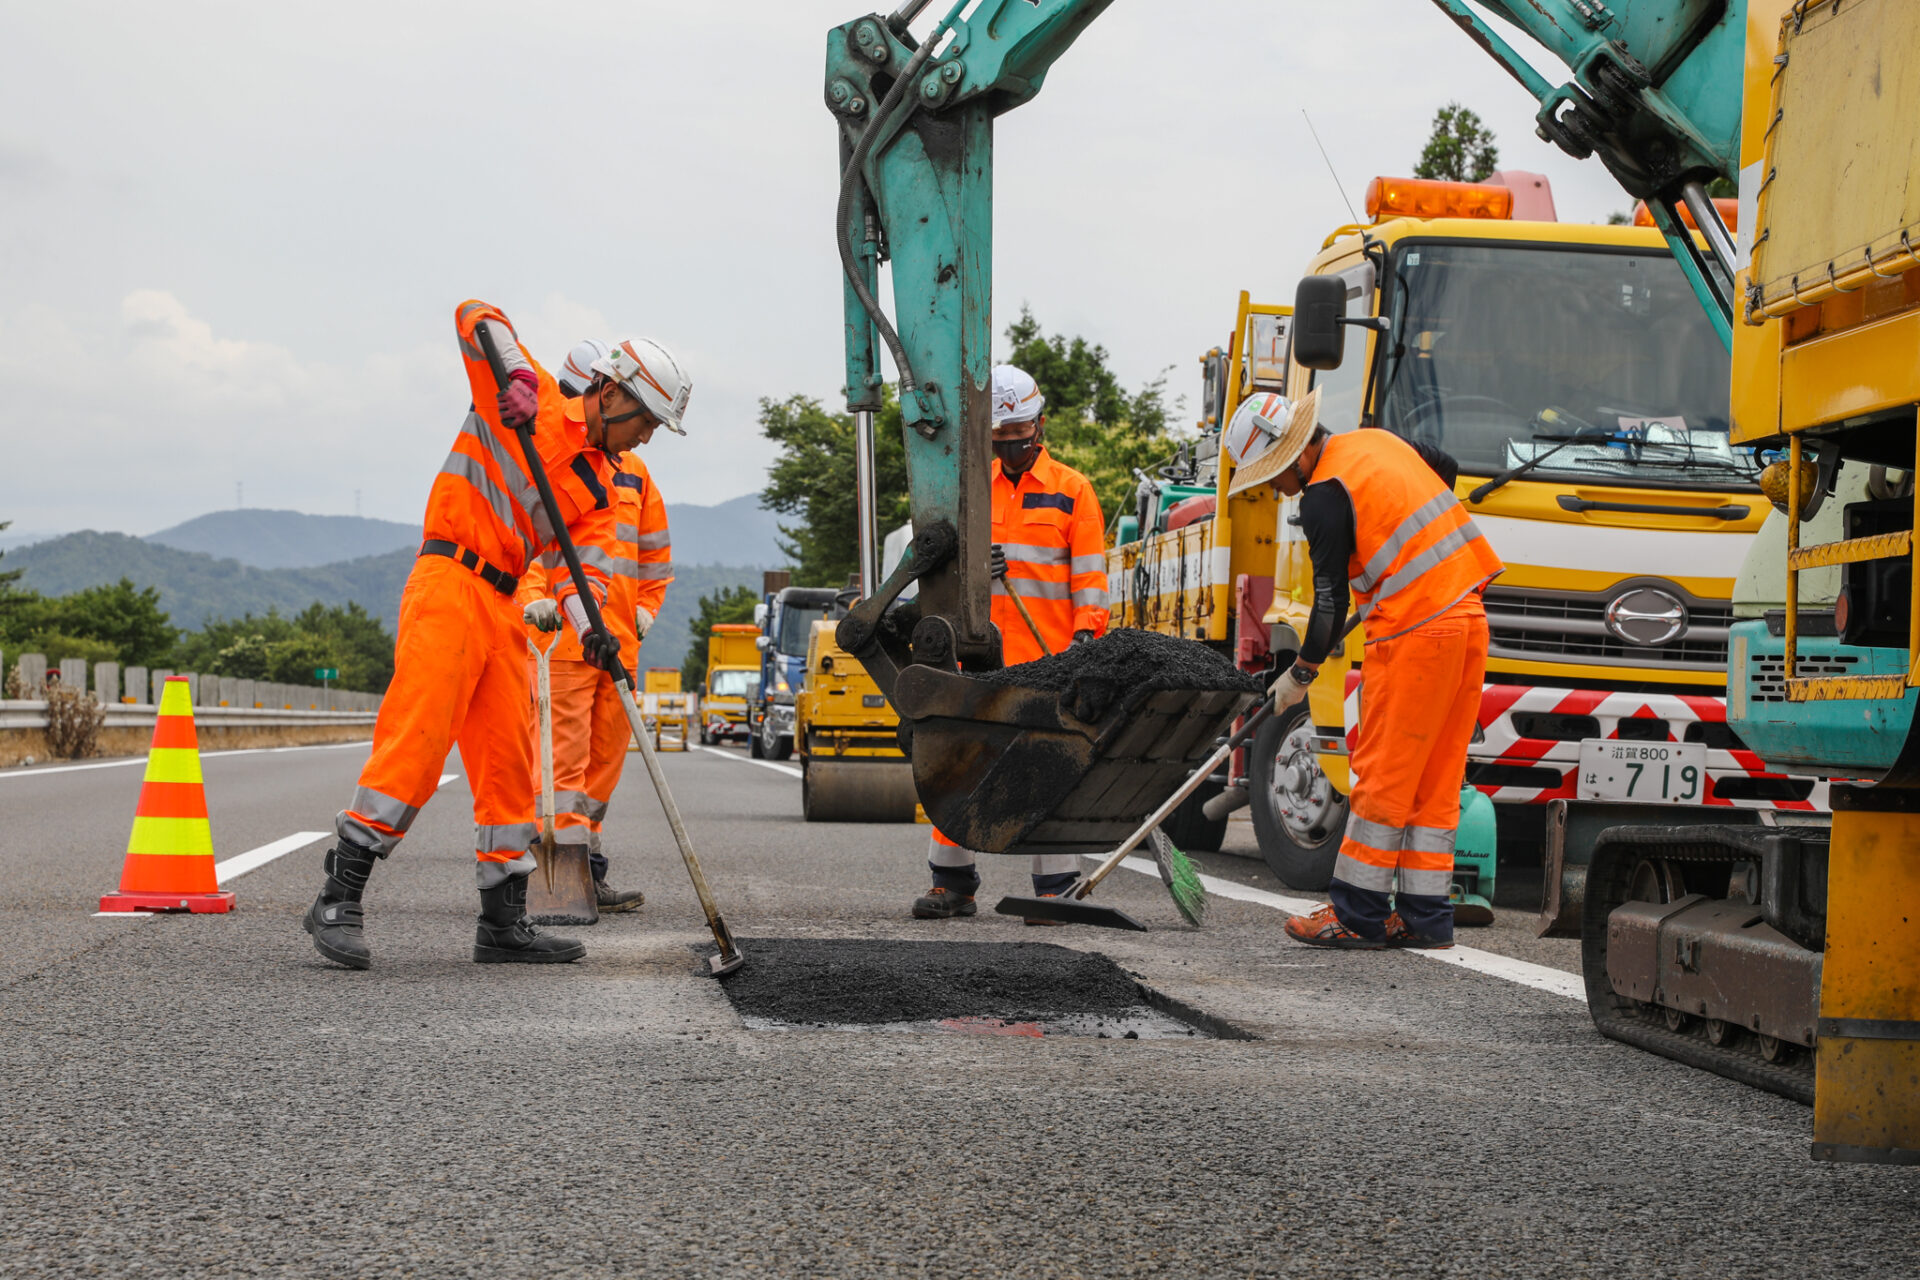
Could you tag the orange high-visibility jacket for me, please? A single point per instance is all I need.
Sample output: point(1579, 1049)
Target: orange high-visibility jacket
point(1416, 551)
point(483, 499)
point(640, 564)
point(1049, 525)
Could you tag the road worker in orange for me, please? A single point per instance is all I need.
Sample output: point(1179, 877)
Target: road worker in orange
point(1049, 548)
point(1382, 525)
point(460, 665)
point(590, 729)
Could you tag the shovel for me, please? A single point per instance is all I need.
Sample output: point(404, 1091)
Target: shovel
point(730, 957)
point(563, 893)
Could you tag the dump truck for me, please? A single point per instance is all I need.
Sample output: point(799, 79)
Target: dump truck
point(1777, 953)
point(852, 768)
point(733, 671)
point(785, 622)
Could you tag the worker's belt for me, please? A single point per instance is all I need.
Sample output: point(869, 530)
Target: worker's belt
point(499, 579)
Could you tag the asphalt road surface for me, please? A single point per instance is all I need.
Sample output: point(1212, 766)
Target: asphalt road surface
point(204, 1095)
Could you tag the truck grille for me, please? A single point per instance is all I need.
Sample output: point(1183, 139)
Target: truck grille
point(1570, 626)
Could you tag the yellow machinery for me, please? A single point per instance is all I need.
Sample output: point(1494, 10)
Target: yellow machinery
point(733, 674)
point(851, 766)
point(667, 710)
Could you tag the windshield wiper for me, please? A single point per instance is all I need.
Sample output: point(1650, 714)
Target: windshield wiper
point(1585, 433)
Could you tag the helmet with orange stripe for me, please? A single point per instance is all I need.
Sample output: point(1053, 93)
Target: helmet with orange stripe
point(649, 373)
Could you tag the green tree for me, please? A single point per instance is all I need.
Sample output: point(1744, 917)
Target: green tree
point(127, 618)
point(1093, 424)
point(812, 481)
point(729, 604)
point(288, 650)
point(1461, 148)
point(357, 644)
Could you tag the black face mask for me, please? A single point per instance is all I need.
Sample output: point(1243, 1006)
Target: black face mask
point(1016, 456)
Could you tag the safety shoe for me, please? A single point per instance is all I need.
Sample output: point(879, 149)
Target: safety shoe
point(1399, 935)
point(611, 899)
point(1036, 919)
point(943, 904)
point(1323, 929)
point(336, 917)
point(505, 936)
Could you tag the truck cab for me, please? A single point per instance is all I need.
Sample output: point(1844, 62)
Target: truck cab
point(785, 620)
point(733, 673)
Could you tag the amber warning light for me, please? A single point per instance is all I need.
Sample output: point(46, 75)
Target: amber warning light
point(1424, 198)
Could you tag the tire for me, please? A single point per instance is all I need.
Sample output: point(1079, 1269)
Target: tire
point(706, 739)
point(1301, 845)
point(753, 740)
point(773, 746)
point(1189, 829)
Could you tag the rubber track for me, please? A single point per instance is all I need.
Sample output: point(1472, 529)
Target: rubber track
point(1623, 1020)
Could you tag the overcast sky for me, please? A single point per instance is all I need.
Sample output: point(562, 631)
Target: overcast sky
point(232, 235)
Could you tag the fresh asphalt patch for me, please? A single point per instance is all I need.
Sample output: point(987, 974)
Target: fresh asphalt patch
point(996, 988)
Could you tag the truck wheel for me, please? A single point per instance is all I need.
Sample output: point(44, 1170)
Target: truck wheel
point(1189, 829)
point(753, 740)
point(773, 744)
point(1298, 817)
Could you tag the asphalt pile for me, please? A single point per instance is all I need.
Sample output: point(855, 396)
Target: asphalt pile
point(1126, 664)
point(866, 982)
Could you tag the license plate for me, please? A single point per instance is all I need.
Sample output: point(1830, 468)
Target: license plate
point(1643, 772)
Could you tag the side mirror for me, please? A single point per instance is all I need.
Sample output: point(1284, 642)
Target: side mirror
point(760, 614)
point(1319, 307)
point(761, 642)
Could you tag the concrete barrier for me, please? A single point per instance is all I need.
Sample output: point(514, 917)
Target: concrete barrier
point(33, 673)
point(106, 683)
point(73, 674)
point(136, 685)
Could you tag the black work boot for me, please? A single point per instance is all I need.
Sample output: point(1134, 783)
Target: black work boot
point(335, 917)
point(505, 937)
point(941, 903)
point(609, 898)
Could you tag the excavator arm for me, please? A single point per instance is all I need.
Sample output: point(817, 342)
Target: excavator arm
point(1655, 95)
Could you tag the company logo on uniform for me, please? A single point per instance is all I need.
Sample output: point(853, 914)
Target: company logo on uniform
point(1646, 616)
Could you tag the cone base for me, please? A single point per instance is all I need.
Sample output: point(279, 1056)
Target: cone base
point(198, 903)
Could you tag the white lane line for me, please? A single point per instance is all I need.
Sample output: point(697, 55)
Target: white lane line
point(445, 778)
point(37, 771)
point(253, 859)
point(764, 764)
point(238, 865)
point(1523, 972)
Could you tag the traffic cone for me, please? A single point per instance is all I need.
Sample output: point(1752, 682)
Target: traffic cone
point(169, 863)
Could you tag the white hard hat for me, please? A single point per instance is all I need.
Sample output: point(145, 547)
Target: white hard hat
point(577, 370)
point(651, 375)
point(1296, 433)
point(1016, 396)
point(1255, 425)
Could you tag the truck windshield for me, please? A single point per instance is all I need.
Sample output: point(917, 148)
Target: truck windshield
point(734, 684)
point(1490, 335)
point(796, 624)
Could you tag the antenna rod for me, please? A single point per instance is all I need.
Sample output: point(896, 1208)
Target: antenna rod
point(1329, 159)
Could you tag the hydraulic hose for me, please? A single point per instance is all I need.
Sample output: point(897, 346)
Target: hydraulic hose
point(851, 184)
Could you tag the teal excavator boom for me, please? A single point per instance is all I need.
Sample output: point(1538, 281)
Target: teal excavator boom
point(999, 767)
point(1655, 96)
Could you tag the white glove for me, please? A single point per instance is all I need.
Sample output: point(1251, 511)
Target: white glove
point(577, 615)
point(642, 620)
point(542, 614)
point(1291, 688)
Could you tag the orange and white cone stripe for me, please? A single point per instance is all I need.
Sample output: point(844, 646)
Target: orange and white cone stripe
point(169, 864)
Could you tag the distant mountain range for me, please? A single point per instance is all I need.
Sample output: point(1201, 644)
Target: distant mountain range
point(228, 563)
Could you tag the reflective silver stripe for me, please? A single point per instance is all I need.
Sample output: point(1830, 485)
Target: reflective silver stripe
point(1362, 875)
point(580, 834)
point(514, 472)
point(571, 802)
point(1033, 553)
point(594, 558)
point(1407, 574)
point(1089, 564)
point(491, 874)
point(1032, 589)
point(1430, 839)
point(505, 836)
point(470, 469)
point(660, 541)
point(596, 809)
point(383, 809)
point(351, 828)
point(1382, 560)
point(1415, 626)
point(1425, 884)
point(1090, 598)
point(655, 572)
point(1376, 835)
point(625, 532)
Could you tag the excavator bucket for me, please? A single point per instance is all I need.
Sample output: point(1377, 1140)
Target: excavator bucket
point(1002, 768)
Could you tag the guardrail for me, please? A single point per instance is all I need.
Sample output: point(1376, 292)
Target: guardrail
point(31, 713)
point(112, 686)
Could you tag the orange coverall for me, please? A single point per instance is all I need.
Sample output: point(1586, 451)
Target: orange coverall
point(1418, 566)
point(460, 661)
point(1050, 528)
point(590, 729)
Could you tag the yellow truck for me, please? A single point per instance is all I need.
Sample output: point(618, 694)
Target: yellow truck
point(733, 674)
point(847, 735)
point(1569, 371)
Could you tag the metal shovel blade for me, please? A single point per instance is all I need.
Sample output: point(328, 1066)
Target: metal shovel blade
point(720, 964)
point(1069, 911)
point(563, 892)
point(1006, 769)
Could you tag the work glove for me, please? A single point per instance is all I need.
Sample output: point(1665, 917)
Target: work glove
point(543, 615)
point(519, 400)
point(603, 651)
point(997, 563)
point(1081, 637)
point(642, 620)
point(1292, 687)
